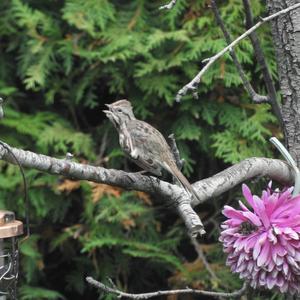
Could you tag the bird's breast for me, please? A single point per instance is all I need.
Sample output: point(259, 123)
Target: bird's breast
point(124, 142)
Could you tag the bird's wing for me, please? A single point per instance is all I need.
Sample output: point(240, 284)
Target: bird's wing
point(146, 136)
point(150, 145)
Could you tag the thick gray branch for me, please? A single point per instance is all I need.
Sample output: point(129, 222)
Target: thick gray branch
point(249, 168)
point(207, 188)
point(130, 181)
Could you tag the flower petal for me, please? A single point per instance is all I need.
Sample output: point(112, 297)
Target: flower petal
point(264, 254)
point(252, 217)
point(248, 195)
point(256, 249)
point(251, 240)
point(261, 211)
point(285, 210)
point(268, 253)
point(283, 198)
point(285, 268)
point(243, 206)
point(271, 236)
point(230, 212)
point(270, 282)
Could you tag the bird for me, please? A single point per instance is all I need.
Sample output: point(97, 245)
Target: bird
point(144, 144)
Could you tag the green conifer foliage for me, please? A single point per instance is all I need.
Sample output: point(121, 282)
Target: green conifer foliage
point(60, 62)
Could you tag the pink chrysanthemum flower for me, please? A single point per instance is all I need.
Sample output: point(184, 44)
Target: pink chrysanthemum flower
point(263, 245)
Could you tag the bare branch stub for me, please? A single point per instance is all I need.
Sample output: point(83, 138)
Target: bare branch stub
point(121, 294)
point(169, 5)
point(196, 80)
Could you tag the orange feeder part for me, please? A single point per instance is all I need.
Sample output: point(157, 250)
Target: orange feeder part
point(9, 226)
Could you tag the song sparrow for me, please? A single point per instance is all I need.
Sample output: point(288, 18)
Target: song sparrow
point(144, 144)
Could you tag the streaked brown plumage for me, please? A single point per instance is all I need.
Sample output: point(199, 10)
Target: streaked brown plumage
point(144, 144)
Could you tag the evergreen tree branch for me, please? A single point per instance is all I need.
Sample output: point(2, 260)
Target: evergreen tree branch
point(193, 84)
point(187, 290)
point(206, 188)
point(256, 98)
point(260, 57)
point(169, 5)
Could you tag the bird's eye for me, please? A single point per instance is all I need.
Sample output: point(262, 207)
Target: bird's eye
point(119, 110)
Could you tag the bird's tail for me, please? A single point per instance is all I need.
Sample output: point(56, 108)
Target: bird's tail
point(182, 180)
point(186, 186)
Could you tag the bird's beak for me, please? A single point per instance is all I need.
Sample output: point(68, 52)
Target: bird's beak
point(107, 112)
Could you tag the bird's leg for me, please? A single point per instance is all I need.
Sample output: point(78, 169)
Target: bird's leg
point(175, 151)
point(179, 162)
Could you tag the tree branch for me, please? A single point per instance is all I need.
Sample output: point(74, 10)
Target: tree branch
point(249, 168)
point(121, 294)
point(202, 257)
point(256, 98)
point(193, 84)
point(169, 5)
point(206, 188)
point(129, 181)
point(263, 64)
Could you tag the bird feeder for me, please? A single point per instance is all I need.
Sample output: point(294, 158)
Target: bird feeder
point(10, 229)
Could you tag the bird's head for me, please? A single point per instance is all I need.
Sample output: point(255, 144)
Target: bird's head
point(119, 112)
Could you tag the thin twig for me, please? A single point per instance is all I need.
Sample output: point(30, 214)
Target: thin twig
point(193, 84)
point(169, 5)
point(247, 85)
point(258, 50)
point(202, 257)
point(100, 157)
point(187, 290)
point(263, 64)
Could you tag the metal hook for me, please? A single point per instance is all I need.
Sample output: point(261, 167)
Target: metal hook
point(290, 161)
